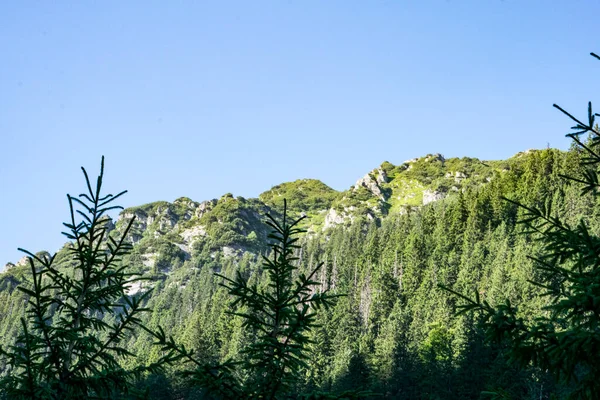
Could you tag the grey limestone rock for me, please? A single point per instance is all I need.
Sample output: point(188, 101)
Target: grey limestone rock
point(430, 196)
point(333, 218)
point(370, 184)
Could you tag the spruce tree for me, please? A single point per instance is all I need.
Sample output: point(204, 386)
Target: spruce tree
point(67, 349)
point(279, 315)
point(565, 339)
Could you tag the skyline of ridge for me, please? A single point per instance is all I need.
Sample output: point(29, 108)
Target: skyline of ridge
point(199, 99)
point(116, 215)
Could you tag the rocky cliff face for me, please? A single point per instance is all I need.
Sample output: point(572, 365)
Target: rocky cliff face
point(397, 189)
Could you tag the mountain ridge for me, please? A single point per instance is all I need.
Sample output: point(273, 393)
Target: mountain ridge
point(385, 190)
point(394, 242)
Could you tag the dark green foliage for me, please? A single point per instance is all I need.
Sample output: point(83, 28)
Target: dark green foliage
point(66, 348)
point(384, 335)
point(234, 222)
point(279, 315)
point(564, 338)
point(393, 333)
point(303, 195)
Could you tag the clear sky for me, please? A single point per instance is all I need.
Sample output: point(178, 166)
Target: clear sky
point(199, 99)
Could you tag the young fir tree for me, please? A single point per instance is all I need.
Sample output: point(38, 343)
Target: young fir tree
point(66, 349)
point(565, 339)
point(279, 316)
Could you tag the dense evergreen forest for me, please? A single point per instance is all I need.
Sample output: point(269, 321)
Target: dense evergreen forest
point(386, 244)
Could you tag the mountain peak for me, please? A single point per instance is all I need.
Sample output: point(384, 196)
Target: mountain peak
point(302, 195)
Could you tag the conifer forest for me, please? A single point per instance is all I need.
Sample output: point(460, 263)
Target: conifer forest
point(433, 279)
point(298, 257)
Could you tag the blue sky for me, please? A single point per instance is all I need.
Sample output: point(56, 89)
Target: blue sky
point(199, 99)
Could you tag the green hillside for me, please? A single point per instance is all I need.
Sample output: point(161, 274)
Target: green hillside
point(386, 242)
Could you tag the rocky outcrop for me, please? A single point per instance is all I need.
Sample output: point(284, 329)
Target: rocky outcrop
point(23, 261)
point(191, 234)
point(185, 207)
point(370, 184)
point(459, 176)
point(140, 224)
point(435, 157)
point(430, 196)
point(524, 153)
point(381, 176)
point(138, 287)
point(167, 220)
point(204, 207)
point(8, 266)
point(333, 218)
point(230, 251)
point(162, 218)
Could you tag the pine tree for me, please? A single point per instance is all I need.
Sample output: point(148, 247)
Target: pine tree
point(565, 339)
point(280, 316)
point(66, 349)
